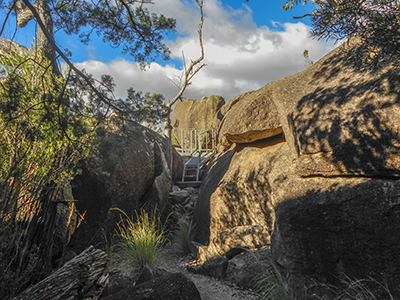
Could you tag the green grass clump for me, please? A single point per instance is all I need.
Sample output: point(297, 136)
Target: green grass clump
point(271, 283)
point(364, 289)
point(184, 233)
point(141, 239)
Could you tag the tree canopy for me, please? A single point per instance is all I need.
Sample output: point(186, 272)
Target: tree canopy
point(375, 22)
point(127, 24)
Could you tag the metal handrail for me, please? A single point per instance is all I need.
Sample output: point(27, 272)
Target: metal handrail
point(192, 139)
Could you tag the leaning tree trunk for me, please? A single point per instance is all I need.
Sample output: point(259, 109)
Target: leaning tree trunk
point(25, 15)
point(80, 278)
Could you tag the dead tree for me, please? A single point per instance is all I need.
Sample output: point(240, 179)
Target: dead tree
point(82, 277)
point(186, 80)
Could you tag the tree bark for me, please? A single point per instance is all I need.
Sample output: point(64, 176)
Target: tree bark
point(6, 46)
point(25, 14)
point(80, 278)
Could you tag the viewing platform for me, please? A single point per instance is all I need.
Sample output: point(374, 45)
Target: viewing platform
point(198, 146)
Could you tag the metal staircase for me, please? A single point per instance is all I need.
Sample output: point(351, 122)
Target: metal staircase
point(198, 145)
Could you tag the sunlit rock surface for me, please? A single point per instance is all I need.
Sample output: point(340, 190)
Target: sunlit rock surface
point(249, 117)
point(328, 190)
point(340, 120)
point(199, 114)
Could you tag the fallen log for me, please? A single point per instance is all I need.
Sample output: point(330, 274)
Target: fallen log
point(83, 277)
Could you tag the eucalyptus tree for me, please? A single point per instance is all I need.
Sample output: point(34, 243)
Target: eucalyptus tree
point(48, 120)
point(127, 24)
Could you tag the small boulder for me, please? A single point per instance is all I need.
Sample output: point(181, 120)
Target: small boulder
point(235, 251)
point(214, 267)
point(244, 269)
point(179, 197)
point(129, 171)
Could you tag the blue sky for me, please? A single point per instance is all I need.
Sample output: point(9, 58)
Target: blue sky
point(270, 15)
point(247, 45)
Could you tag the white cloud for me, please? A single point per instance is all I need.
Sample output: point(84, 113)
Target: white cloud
point(239, 55)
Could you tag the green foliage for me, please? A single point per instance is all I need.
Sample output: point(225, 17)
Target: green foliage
point(128, 25)
point(174, 141)
point(307, 61)
point(41, 140)
point(289, 5)
point(143, 108)
point(141, 239)
point(36, 126)
point(184, 233)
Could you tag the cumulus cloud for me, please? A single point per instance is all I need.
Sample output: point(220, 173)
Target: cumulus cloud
point(240, 55)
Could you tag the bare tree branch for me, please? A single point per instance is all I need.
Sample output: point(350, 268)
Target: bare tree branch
point(189, 73)
point(193, 68)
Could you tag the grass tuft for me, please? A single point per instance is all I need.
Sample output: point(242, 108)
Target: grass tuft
point(141, 239)
point(364, 289)
point(184, 233)
point(271, 283)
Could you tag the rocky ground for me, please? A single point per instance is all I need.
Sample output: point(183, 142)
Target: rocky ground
point(209, 288)
point(170, 259)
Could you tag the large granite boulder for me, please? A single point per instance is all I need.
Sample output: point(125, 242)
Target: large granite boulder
point(340, 120)
point(199, 114)
point(129, 171)
point(328, 190)
point(237, 199)
point(248, 117)
point(190, 113)
point(348, 231)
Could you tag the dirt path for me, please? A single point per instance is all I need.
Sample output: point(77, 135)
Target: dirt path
point(209, 288)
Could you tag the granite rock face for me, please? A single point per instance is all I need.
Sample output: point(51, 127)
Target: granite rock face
point(340, 120)
point(328, 188)
point(349, 231)
point(190, 113)
point(129, 172)
point(248, 117)
point(199, 114)
point(237, 200)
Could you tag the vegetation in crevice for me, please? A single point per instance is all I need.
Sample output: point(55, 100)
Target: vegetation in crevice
point(141, 236)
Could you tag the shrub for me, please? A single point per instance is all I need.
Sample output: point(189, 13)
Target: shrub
point(184, 233)
point(141, 239)
point(42, 137)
